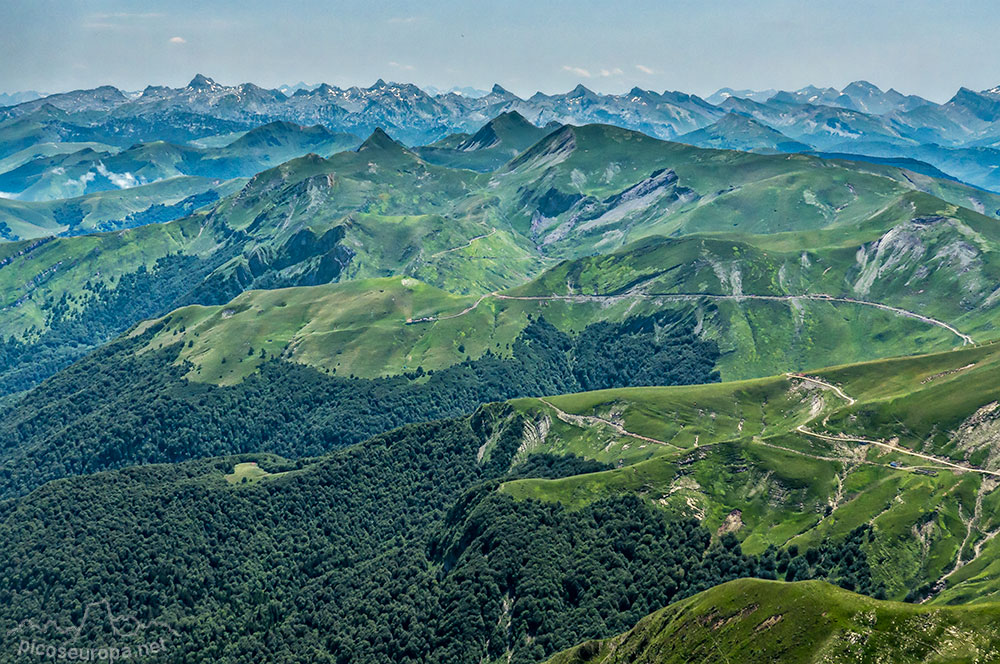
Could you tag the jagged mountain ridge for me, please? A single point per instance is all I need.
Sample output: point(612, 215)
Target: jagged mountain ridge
point(849, 120)
point(416, 115)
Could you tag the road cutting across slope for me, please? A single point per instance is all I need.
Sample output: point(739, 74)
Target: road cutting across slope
point(691, 297)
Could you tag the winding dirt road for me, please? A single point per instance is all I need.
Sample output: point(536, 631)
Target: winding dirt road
point(803, 429)
point(463, 246)
point(896, 448)
point(591, 420)
point(691, 297)
point(822, 383)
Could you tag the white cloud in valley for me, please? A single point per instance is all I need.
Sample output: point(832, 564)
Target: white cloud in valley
point(120, 180)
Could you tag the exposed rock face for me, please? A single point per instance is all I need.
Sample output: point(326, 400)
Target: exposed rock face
point(558, 214)
point(981, 431)
point(924, 249)
point(732, 523)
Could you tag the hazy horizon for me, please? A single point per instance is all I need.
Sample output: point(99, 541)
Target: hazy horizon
point(930, 49)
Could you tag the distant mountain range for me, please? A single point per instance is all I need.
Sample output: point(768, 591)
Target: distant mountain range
point(11, 98)
point(101, 168)
point(859, 119)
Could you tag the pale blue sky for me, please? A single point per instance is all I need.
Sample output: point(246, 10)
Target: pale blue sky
point(918, 46)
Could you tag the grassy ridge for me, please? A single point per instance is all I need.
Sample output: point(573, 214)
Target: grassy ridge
point(733, 455)
point(704, 277)
point(790, 623)
point(722, 191)
point(40, 272)
point(335, 327)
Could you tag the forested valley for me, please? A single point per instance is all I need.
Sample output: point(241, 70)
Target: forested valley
point(398, 549)
point(129, 408)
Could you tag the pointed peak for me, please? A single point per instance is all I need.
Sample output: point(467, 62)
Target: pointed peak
point(274, 127)
point(861, 85)
point(201, 81)
point(966, 94)
point(581, 90)
point(379, 84)
point(511, 116)
point(555, 147)
point(498, 89)
point(510, 128)
point(379, 140)
point(735, 118)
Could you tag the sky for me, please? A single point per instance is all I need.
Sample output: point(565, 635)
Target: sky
point(924, 47)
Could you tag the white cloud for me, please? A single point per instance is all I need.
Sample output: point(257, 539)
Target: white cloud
point(579, 71)
point(645, 70)
point(393, 63)
point(611, 72)
point(82, 181)
point(177, 40)
point(403, 19)
point(120, 180)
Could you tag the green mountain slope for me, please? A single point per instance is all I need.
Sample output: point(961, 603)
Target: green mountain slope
point(383, 210)
point(641, 497)
point(762, 621)
point(357, 223)
point(333, 327)
point(904, 445)
point(457, 569)
point(397, 329)
point(599, 187)
point(791, 301)
point(60, 427)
